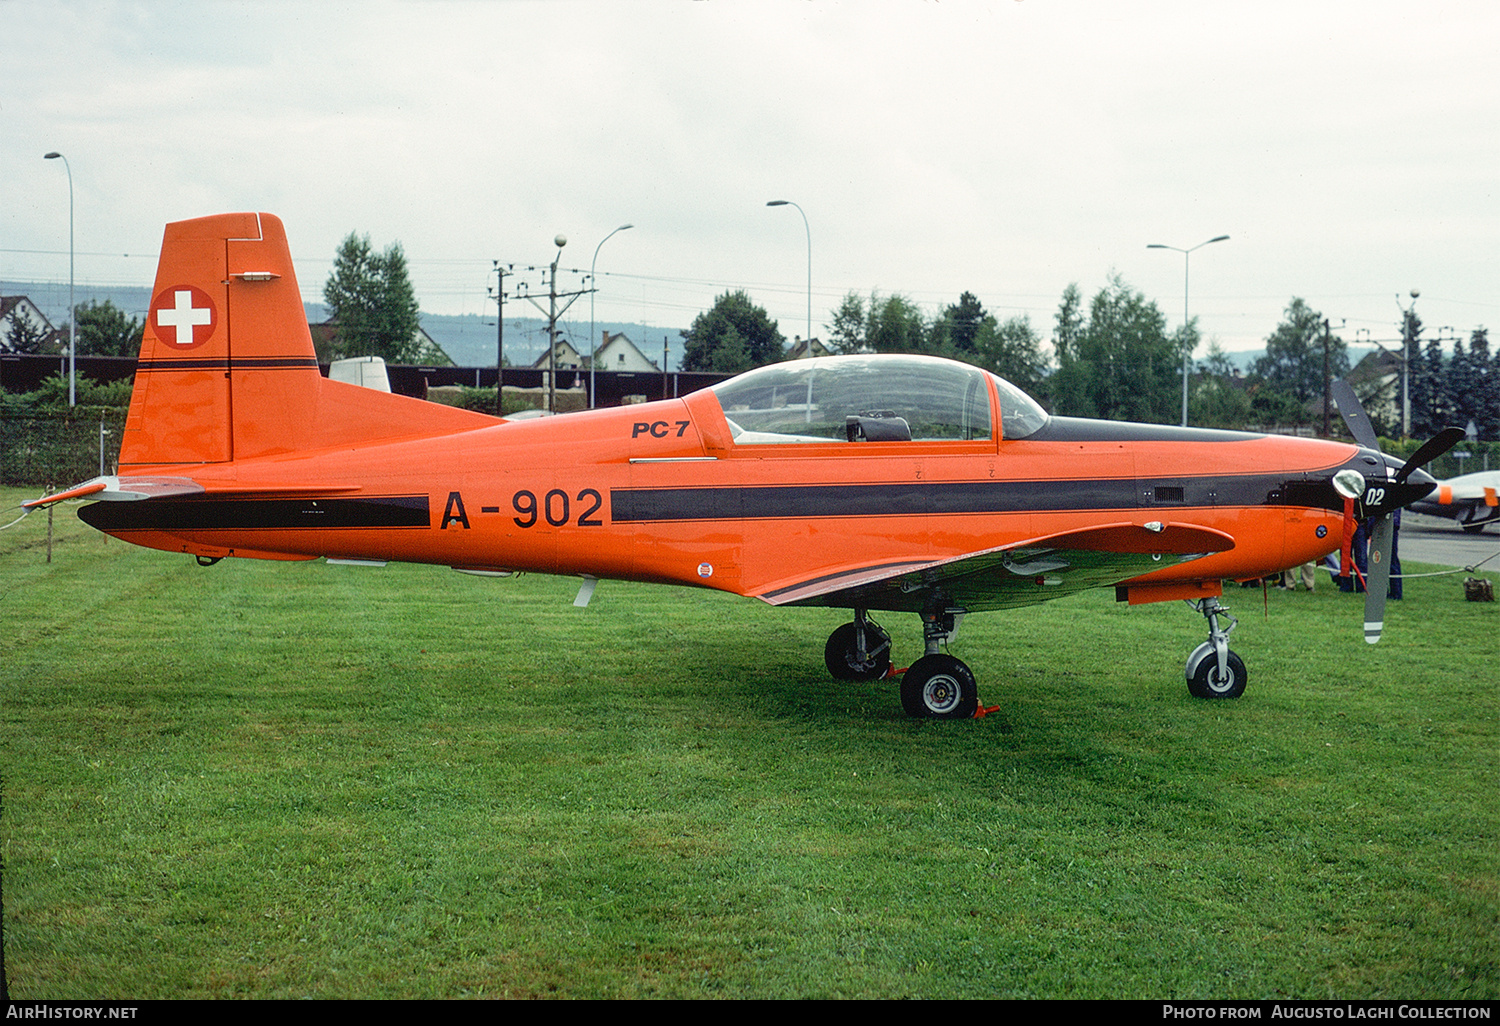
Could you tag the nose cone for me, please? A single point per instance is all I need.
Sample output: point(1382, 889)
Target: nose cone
point(1417, 486)
point(1421, 477)
point(1414, 476)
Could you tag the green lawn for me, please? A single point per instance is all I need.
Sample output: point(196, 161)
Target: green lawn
point(285, 780)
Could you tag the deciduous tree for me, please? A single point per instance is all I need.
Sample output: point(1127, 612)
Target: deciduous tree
point(895, 325)
point(1122, 364)
point(1293, 363)
point(105, 330)
point(847, 331)
point(375, 311)
point(733, 335)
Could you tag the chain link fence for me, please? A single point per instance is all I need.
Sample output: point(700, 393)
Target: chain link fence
point(59, 449)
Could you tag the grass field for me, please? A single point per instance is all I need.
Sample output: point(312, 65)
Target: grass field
point(301, 780)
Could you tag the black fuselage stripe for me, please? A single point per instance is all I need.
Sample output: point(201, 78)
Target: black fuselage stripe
point(632, 505)
point(259, 514)
point(734, 503)
point(224, 363)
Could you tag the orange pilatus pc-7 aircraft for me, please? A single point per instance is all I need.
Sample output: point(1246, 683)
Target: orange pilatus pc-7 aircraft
point(889, 483)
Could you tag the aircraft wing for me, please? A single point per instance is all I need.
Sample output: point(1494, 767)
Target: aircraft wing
point(1018, 574)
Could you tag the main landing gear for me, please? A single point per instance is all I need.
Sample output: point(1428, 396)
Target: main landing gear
point(1212, 670)
point(937, 686)
point(858, 650)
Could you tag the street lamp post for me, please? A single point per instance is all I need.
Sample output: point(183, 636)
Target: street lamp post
point(808, 229)
point(1187, 353)
point(559, 242)
point(594, 287)
point(72, 313)
point(1408, 349)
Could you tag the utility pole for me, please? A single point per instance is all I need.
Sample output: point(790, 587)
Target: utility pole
point(500, 273)
point(553, 312)
point(1326, 384)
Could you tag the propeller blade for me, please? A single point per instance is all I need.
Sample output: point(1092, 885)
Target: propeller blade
point(1431, 450)
point(1379, 578)
point(1355, 417)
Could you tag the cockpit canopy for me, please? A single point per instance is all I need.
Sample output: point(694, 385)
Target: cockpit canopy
point(875, 398)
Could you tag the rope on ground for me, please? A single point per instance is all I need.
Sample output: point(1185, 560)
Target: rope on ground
point(18, 519)
point(1474, 568)
point(27, 513)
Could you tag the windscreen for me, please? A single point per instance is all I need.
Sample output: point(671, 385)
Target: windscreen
point(813, 400)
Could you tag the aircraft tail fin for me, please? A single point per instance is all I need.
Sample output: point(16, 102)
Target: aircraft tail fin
point(227, 369)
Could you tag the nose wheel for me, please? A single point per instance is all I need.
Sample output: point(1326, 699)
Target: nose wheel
point(1212, 670)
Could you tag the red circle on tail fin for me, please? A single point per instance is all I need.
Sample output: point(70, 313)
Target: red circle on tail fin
point(183, 316)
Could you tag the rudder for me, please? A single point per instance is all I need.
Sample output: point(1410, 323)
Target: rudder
point(227, 368)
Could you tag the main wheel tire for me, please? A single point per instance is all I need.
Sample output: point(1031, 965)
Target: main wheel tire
point(939, 687)
point(843, 661)
point(1204, 682)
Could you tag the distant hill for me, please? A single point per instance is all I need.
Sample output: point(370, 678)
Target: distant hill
point(468, 339)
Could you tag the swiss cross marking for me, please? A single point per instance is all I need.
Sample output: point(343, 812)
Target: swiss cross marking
point(183, 316)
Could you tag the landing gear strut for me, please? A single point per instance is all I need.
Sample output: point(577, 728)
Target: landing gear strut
point(1212, 670)
point(859, 650)
point(938, 685)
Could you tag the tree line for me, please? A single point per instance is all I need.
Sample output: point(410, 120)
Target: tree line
point(103, 330)
point(1114, 358)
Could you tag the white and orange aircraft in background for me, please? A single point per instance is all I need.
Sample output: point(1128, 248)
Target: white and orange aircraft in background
point(1469, 500)
point(869, 483)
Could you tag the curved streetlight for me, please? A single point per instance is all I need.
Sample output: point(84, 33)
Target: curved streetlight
point(1408, 347)
point(808, 229)
point(72, 313)
point(594, 287)
point(1186, 354)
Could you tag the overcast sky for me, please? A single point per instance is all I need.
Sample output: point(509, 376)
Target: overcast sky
point(1349, 148)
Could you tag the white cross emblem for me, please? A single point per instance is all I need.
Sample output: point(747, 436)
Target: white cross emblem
point(184, 317)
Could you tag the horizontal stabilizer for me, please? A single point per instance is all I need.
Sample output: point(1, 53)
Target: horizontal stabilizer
point(136, 488)
point(122, 489)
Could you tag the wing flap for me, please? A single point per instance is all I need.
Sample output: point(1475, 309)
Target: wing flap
point(1017, 574)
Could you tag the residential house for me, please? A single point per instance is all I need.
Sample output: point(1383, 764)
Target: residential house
point(618, 353)
point(14, 309)
point(1376, 379)
point(566, 356)
point(804, 348)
